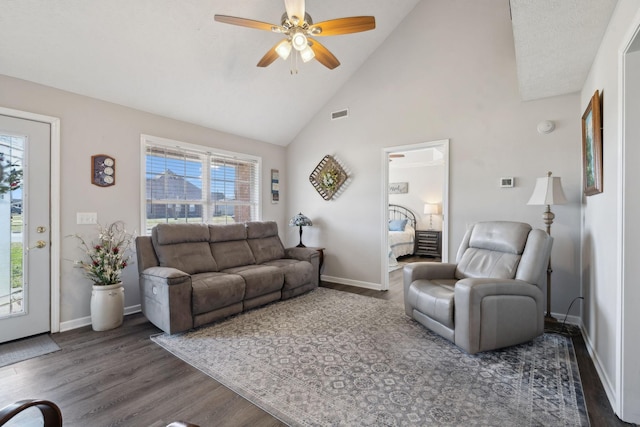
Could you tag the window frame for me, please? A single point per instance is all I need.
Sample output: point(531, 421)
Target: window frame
point(149, 140)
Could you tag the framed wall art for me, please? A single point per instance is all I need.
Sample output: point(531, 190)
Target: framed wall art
point(275, 186)
point(398, 188)
point(592, 147)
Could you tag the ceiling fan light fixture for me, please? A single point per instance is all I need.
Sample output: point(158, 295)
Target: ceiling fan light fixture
point(299, 41)
point(307, 54)
point(284, 49)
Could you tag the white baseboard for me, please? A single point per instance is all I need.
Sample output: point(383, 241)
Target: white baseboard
point(357, 283)
point(85, 321)
point(606, 382)
point(571, 320)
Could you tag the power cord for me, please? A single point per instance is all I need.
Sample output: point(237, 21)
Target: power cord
point(563, 328)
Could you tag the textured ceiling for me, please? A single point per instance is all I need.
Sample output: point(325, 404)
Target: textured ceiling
point(170, 57)
point(556, 42)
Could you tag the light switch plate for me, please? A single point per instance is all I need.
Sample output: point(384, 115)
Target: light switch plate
point(86, 218)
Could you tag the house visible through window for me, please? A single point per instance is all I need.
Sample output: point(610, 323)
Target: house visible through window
point(189, 183)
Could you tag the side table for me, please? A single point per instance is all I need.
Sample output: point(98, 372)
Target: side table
point(320, 260)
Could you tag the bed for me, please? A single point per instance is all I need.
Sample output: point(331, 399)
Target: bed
point(402, 233)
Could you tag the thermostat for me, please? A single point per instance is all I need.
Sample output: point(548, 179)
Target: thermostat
point(507, 182)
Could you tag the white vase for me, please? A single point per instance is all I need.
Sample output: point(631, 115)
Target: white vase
point(107, 306)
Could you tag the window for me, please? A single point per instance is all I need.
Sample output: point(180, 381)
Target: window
point(190, 183)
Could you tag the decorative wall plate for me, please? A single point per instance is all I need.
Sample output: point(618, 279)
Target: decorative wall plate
point(103, 170)
point(328, 177)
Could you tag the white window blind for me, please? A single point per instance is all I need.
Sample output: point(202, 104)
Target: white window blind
point(187, 183)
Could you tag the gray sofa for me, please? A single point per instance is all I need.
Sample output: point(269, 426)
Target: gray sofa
point(194, 274)
point(492, 297)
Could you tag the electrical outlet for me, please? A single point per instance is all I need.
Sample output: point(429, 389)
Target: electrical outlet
point(86, 218)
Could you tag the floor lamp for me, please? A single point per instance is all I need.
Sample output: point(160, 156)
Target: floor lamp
point(548, 191)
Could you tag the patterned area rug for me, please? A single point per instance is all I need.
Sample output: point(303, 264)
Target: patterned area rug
point(330, 358)
point(27, 348)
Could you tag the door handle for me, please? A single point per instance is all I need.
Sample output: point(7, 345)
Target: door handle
point(39, 245)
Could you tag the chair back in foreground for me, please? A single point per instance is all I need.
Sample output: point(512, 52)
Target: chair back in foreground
point(492, 296)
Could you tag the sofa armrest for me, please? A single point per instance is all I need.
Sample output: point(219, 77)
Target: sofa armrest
point(490, 311)
point(171, 275)
point(166, 298)
point(306, 254)
point(301, 254)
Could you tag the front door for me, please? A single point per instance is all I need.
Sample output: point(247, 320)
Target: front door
point(25, 148)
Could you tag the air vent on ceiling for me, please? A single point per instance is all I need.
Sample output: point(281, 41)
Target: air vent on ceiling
point(340, 114)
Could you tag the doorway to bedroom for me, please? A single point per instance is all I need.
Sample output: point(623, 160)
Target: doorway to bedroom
point(415, 207)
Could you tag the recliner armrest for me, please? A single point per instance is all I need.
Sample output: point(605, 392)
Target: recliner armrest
point(427, 271)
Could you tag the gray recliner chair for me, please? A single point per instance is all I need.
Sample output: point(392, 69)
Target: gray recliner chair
point(492, 297)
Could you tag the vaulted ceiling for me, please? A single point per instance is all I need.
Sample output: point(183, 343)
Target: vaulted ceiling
point(170, 57)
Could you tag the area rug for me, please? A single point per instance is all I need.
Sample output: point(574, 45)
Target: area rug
point(27, 348)
point(331, 358)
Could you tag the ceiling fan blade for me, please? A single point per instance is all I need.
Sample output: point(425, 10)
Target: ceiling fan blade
point(335, 27)
point(243, 22)
point(269, 57)
point(295, 8)
point(323, 55)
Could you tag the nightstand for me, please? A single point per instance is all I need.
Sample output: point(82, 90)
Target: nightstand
point(428, 243)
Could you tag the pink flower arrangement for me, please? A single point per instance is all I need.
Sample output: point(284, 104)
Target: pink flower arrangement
point(108, 257)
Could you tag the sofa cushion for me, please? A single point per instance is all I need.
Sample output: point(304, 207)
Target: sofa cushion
point(296, 273)
point(227, 232)
point(485, 263)
point(232, 254)
point(184, 247)
point(260, 229)
point(212, 291)
point(264, 241)
point(259, 279)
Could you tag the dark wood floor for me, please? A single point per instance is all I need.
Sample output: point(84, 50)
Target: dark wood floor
point(121, 378)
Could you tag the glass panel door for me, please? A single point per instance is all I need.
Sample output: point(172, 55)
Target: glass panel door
point(12, 294)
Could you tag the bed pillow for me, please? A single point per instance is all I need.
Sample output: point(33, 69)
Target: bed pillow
point(397, 224)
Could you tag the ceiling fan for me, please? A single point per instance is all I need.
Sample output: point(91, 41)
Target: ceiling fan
point(298, 27)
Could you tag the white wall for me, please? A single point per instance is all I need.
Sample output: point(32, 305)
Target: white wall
point(614, 354)
point(448, 71)
point(89, 127)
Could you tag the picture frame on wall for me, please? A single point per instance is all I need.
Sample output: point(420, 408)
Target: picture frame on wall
point(398, 188)
point(592, 146)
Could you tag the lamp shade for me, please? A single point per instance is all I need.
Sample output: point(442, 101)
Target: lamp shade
point(431, 208)
point(299, 220)
point(548, 191)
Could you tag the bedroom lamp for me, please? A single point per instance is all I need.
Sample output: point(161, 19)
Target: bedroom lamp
point(431, 209)
point(300, 220)
point(548, 191)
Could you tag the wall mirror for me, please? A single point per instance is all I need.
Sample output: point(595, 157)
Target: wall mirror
point(415, 205)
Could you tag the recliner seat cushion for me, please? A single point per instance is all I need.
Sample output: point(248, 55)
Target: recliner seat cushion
point(183, 246)
point(259, 279)
point(296, 273)
point(212, 291)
